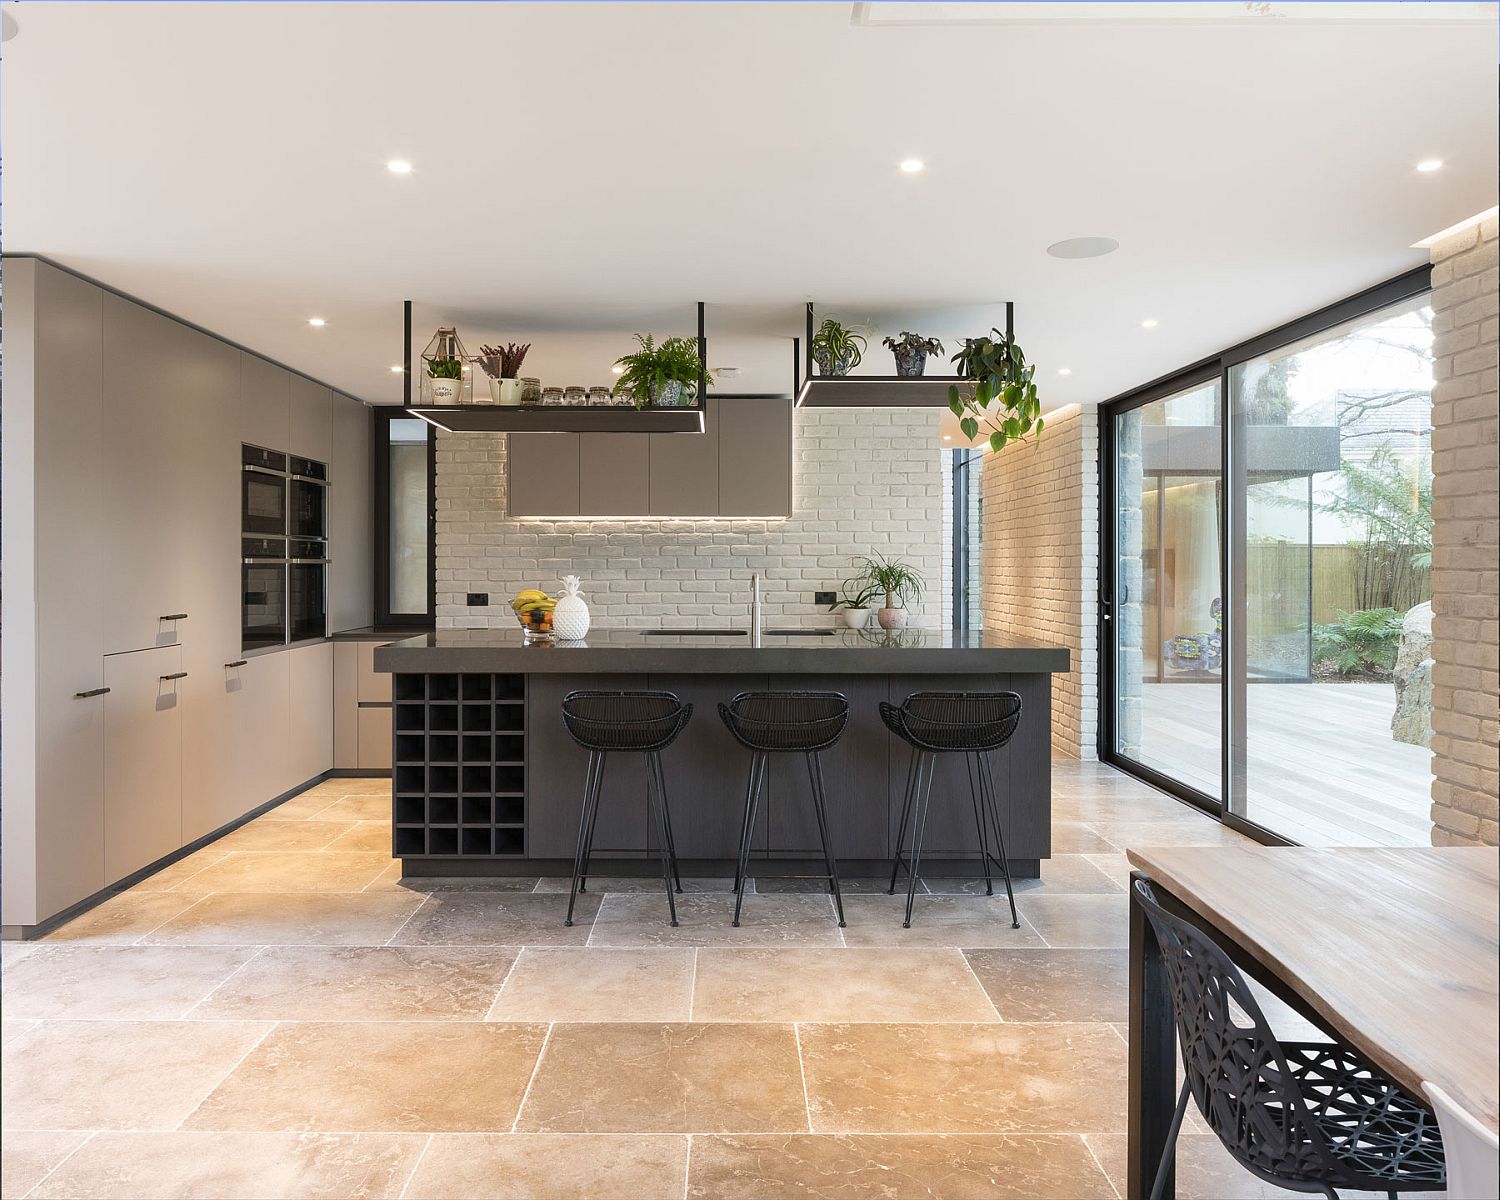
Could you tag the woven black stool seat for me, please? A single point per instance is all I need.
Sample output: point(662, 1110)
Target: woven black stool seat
point(1310, 1116)
point(968, 723)
point(606, 723)
point(768, 723)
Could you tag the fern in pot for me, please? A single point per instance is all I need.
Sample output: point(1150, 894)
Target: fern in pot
point(664, 376)
point(899, 580)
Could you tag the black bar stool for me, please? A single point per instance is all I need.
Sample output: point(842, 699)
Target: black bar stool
point(971, 723)
point(768, 723)
point(630, 723)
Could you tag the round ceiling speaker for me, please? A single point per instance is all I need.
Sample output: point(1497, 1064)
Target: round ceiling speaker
point(1083, 247)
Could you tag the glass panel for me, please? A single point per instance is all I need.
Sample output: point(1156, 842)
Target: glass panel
point(408, 515)
point(1331, 708)
point(1168, 607)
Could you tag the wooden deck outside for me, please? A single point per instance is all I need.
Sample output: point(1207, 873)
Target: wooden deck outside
point(1323, 769)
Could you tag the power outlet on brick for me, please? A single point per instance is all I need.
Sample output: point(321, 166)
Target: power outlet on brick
point(478, 599)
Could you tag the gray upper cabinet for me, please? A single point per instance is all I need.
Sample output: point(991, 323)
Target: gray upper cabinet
point(614, 471)
point(265, 403)
point(311, 420)
point(755, 458)
point(542, 474)
point(351, 502)
point(685, 470)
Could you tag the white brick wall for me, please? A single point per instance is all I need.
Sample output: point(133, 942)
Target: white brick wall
point(862, 481)
point(1465, 576)
point(1040, 560)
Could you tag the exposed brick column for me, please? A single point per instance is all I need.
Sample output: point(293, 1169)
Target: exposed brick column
point(1465, 576)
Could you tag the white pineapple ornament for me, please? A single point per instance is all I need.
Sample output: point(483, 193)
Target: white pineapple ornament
point(570, 619)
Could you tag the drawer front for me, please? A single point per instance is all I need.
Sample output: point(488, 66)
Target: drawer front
point(375, 739)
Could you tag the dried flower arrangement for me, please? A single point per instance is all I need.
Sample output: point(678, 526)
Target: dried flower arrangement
point(503, 362)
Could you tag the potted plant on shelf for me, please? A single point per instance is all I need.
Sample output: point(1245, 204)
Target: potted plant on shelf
point(898, 580)
point(910, 351)
point(445, 369)
point(836, 348)
point(665, 376)
point(445, 380)
point(854, 599)
point(501, 364)
point(1000, 391)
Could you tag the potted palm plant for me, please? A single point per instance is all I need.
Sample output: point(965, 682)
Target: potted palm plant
point(836, 348)
point(501, 364)
point(666, 376)
point(910, 351)
point(899, 580)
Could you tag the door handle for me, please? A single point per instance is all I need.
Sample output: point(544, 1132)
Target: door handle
point(174, 675)
point(241, 663)
point(173, 617)
point(91, 693)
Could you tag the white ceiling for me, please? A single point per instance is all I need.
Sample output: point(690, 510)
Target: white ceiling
point(606, 164)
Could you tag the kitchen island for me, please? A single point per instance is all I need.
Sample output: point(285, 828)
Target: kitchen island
point(486, 781)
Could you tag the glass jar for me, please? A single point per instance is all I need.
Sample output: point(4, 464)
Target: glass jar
point(552, 396)
point(531, 390)
point(575, 395)
point(599, 395)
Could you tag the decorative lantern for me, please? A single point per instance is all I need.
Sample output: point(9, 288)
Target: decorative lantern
point(446, 372)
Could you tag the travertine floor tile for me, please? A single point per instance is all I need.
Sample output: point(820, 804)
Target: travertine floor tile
point(397, 1077)
point(236, 1166)
point(118, 1074)
point(10, 1030)
point(364, 983)
point(546, 1166)
point(117, 982)
point(581, 984)
point(306, 805)
point(846, 985)
point(498, 919)
point(935, 921)
point(1062, 874)
point(1074, 837)
point(30, 1154)
point(1187, 830)
point(178, 876)
point(995, 1078)
point(1079, 921)
point(707, 921)
point(950, 1167)
point(268, 833)
point(307, 918)
point(667, 1078)
point(124, 918)
point(372, 806)
point(370, 837)
point(1055, 985)
point(1115, 865)
point(291, 871)
point(637, 884)
point(771, 885)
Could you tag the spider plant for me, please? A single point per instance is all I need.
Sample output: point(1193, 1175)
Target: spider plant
point(836, 348)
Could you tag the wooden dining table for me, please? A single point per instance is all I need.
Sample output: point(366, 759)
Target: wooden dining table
point(1395, 952)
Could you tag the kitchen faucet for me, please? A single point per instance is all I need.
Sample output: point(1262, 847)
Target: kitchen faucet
point(755, 608)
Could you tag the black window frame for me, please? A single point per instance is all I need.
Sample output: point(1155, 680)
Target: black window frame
point(961, 463)
point(380, 442)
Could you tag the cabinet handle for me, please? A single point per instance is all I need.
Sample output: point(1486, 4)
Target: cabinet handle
point(251, 467)
point(309, 562)
point(310, 479)
point(174, 675)
point(173, 617)
point(88, 695)
point(240, 663)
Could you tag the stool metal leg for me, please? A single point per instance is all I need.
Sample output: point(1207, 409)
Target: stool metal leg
point(815, 777)
point(752, 786)
point(911, 775)
point(657, 802)
point(994, 807)
point(919, 827)
point(588, 841)
point(585, 826)
point(971, 765)
point(666, 813)
point(752, 802)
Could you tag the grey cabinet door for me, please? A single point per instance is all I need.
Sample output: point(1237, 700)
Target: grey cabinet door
point(142, 759)
point(265, 404)
point(614, 474)
point(310, 720)
point(351, 501)
point(685, 470)
point(755, 458)
point(346, 705)
point(262, 729)
point(542, 474)
point(311, 434)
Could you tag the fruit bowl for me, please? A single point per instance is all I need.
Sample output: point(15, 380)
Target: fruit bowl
point(533, 609)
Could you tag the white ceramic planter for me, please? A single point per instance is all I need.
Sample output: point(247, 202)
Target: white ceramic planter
point(505, 391)
point(445, 391)
point(855, 618)
point(891, 619)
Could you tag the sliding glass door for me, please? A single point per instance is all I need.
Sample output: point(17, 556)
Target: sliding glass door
point(1265, 615)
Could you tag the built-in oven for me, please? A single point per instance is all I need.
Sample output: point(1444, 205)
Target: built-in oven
point(307, 494)
point(307, 584)
point(263, 592)
point(263, 492)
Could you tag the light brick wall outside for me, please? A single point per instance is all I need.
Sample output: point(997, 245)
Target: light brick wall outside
point(1040, 560)
point(863, 481)
point(1465, 547)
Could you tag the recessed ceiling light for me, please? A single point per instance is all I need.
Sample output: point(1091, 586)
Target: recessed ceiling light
point(398, 166)
point(397, 370)
point(617, 369)
point(1083, 247)
point(1149, 323)
point(9, 26)
point(316, 322)
point(1430, 164)
point(1064, 370)
point(947, 437)
point(911, 166)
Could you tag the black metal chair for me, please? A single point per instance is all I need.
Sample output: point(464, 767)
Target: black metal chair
point(1307, 1116)
point(643, 723)
point(969, 723)
point(768, 723)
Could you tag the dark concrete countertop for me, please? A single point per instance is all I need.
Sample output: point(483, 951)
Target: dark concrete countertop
point(636, 652)
point(375, 633)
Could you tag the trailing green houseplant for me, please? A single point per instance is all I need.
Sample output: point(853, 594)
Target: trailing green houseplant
point(836, 348)
point(1000, 392)
point(910, 351)
point(661, 374)
point(899, 580)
